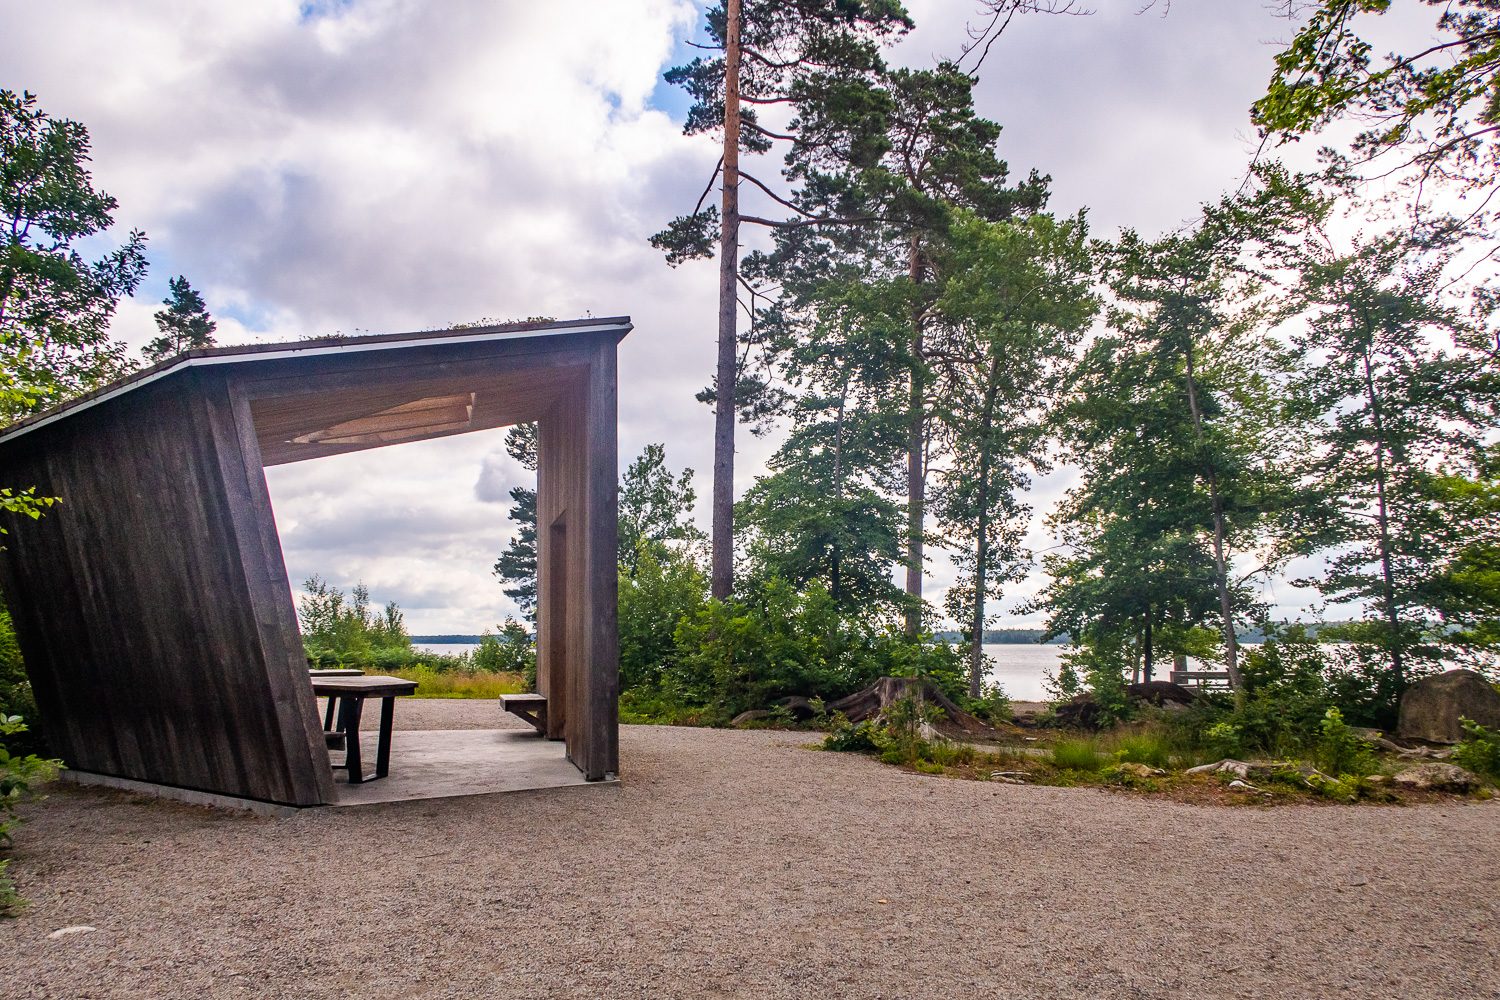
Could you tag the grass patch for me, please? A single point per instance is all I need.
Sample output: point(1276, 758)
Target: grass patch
point(1144, 748)
point(1077, 755)
point(461, 684)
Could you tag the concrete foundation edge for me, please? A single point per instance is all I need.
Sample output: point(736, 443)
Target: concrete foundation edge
point(275, 809)
point(188, 795)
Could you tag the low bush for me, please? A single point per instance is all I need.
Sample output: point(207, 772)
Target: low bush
point(861, 737)
point(1339, 752)
point(992, 705)
point(18, 776)
point(1479, 753)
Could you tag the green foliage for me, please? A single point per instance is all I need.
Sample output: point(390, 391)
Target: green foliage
point(654, 509)
point(905, 721)
point(1096, 663)
point(1077, 755)
point(683, 655)
point(1479, 753)
point(517, 564)
point(436, 679)
point(185, 324)
point(1144, 748)
point(868, 736)
point(993, 705)
point(736, 656)
point(1432, 108)
point(512, 651)
point(349, 631)
point(11, 901)
point(16, 698)
point(1339, 751)
point(1225, 739)
point(664, 588)
point(55, 306)
point(18, 776)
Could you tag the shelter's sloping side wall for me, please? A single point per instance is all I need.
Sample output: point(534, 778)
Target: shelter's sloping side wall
point(131, 601)
point(576, 507)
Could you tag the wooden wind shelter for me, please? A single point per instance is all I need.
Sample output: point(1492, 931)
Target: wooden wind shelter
point(152, 604)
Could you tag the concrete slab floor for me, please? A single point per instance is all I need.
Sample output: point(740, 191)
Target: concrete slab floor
point(442, 763)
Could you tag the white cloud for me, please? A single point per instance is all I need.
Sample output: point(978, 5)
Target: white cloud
point(379, 165)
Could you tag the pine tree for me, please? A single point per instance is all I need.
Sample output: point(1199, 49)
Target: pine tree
point(185, 324)
point(776, 52)
point(517, 566)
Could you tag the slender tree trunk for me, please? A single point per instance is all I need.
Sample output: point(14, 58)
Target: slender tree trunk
point(1148, 659)
point(916, 459)
point(838, 495)
point(1226, 605)
point(721, 581)
point(1382, 516)
point(982, 543)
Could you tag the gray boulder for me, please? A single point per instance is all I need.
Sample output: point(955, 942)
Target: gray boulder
point(1438, 777)
point(1431, 707)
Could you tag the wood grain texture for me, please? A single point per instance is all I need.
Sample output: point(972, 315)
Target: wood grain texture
point(152, 604)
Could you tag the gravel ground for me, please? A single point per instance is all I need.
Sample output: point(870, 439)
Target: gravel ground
point(739, 864)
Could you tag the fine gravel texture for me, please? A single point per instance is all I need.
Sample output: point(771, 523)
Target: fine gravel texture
point(741, 864)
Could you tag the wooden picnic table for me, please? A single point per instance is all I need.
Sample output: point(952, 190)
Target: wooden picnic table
point(350, 693)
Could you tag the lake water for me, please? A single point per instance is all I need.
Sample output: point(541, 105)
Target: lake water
point(1021, 668)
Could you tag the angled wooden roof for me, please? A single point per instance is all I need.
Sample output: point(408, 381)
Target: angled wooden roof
point(302, 411)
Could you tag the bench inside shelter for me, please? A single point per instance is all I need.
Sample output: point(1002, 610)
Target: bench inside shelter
point(154, 611)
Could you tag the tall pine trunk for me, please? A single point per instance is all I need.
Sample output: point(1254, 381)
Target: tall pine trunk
point(1382, 516)
point(1226, 605)
point(838, 495)
point(721, 581)
point(916, 458)
point(982, 544)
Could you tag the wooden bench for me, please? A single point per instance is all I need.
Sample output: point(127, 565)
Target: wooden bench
point(531, 707)
point(1200, 678)
point(350, 693)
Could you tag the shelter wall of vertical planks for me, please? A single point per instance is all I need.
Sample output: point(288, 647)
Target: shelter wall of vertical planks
point(152, 604)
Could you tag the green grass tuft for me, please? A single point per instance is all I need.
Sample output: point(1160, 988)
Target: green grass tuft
point(1077, 755)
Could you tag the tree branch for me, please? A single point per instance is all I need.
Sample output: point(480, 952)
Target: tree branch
point(710, 187)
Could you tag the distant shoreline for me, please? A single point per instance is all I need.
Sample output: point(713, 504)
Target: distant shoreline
point(447, 640)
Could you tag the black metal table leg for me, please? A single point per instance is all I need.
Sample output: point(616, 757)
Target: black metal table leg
point(328, 715)
point(383, 749)
point(350, 709)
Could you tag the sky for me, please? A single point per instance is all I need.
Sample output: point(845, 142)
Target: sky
point(374, 166)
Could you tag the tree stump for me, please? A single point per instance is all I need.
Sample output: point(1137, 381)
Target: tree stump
point(875, 700)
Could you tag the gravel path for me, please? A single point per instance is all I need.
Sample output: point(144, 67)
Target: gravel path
point(738, 864)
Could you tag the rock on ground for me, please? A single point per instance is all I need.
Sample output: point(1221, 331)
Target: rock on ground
point(739, 864)
point(1438, 777)
point(1431, 708)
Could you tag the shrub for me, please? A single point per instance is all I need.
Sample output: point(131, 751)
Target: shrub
point(862, 737)
point(1479, 753)
point(661, 590)
point(1339, 751)
point(17, 776)
point(1098, 663)
point(904, 723)
point(513, 651)
point(993, 705)
point(1224, 739)
point(1077, 755)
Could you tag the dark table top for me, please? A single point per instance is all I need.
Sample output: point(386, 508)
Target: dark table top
point(371, 687)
